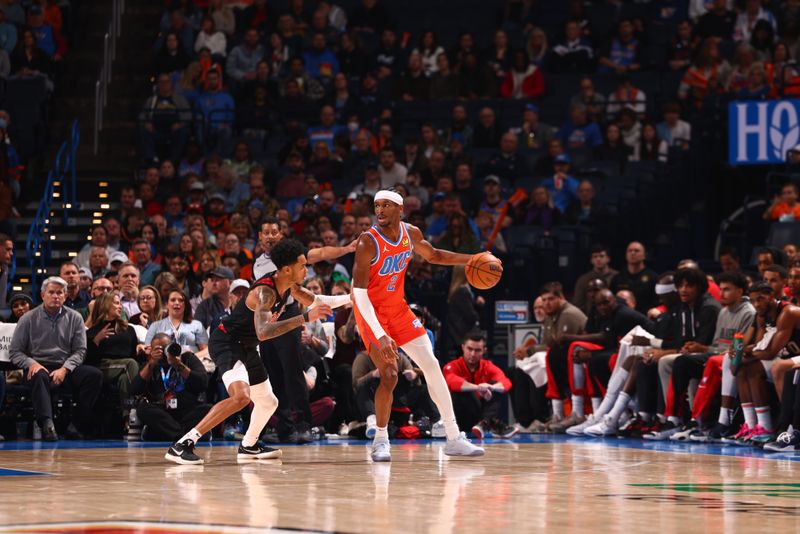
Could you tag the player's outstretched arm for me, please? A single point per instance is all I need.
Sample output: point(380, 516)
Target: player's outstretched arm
point(432, 254)
point(310, 300)
point(262, 316)
point(330, 253)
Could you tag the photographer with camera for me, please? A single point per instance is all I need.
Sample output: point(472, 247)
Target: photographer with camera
point(171, 383)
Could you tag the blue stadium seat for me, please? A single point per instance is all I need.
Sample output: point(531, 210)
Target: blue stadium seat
point(781, 233)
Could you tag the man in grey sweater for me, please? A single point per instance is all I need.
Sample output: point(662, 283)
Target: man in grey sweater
point(49, 343)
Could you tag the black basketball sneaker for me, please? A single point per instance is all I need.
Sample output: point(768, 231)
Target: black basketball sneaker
point(259, 451)
point(182, 452)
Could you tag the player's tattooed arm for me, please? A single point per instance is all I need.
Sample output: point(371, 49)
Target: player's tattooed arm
point(432, 254)
point(302, 295)
point(262, 316)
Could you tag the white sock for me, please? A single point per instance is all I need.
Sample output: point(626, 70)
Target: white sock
point(764, 417)
point(558, 407)
point(381, 434)
point(264, 405)
point(615, 384)
point(619, 406)
point(192, 435)
point(749, 414)
point(729, 386)
point(595, 403)
point(421, 351)
point(725, 416)
point(674, 419)
point(577, 405)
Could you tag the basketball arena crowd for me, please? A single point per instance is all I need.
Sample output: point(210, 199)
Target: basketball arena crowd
point(269, 123)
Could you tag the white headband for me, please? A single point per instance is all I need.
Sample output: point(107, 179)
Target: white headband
point(663, 289)
point(389, 195)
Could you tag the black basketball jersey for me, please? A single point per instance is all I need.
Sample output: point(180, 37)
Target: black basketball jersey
point(239, 324)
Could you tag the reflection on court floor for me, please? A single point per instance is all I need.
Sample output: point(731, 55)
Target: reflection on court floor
point(539, 482)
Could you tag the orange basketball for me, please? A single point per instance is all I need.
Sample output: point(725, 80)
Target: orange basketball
point(483, 270)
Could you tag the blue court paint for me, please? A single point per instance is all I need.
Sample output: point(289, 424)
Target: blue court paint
point(616, 443)
point(17, 473)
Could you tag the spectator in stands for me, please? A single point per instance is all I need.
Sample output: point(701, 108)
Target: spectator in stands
point(630, 128)
point(475, 78)
point(753, 12)
point(74, 297)
point(112, 346)
point(429, 52)
point(224, 17)
point(683, 46)
point(175, 21)
point(757, 87)
point(148, 270)
point(601, 269)
point(389, 170)
point(562, 187)
point(217, 109)
point(763, 40)
point(388, 58)
point(507, 163)
point(673, 130)
point(320, 62)
point(578, 131)
point(478, 388)
point(623, 53)
point(8, 33)
point(540, 211)
point(461, 234)
point(729, 260)
point(179, 324)
point(784, 207)
point(327, 129)
point(585, 211)
point(45, 38)
point(98, 262)
point(708, 75)
point(413, 84)
point(165, 122)
point(636, 277)
point(212, 39)
point(743, 59)
point(129, 279)
point(150, 310)
point(523, 79)
point(486, 131)
point(28, 59)
point(171, 57)
point(20, 304)
point(243, 60)
point(574, 53)
point(595, 102)
point(533, 134)
point(650, 148)
point(49, 344)
point(626, 95)
point(718, 21)
point(499, 55)
point(613, 148)
point(214, 307)
point(309, 87)
point(172, 386)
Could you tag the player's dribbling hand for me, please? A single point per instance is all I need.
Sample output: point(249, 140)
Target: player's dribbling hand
point(319, 311)
point(387, 349)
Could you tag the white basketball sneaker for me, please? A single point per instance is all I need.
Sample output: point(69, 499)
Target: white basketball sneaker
point(607, 426)
point(461, 446)
point(381, 451)
point(580, 430)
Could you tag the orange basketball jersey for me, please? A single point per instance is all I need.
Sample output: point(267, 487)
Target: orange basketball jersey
point(387, 270)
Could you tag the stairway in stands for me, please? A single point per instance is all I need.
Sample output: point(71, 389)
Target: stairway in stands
point(98, 176)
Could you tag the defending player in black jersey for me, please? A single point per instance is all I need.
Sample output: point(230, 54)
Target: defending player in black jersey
point(233, 347)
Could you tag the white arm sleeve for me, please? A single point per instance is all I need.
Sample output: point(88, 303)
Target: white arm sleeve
point(367, 311)
point(332, 301)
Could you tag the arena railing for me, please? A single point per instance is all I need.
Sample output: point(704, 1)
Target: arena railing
point(59, 193)
point(109, 54)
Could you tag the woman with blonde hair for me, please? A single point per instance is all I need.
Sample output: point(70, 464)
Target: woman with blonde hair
point(536, 46)
point(112, 345)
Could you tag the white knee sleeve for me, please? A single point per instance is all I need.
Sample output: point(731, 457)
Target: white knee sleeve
point(264, 405)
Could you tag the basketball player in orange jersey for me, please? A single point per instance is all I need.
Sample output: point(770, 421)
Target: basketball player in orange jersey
point(385, 321)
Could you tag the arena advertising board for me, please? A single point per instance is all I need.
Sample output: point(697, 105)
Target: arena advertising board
point(762, 132)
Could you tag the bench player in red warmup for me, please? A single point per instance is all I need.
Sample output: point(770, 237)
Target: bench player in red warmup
point(385, 321)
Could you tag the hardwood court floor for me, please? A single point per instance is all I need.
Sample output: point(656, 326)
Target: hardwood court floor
point(529, 485)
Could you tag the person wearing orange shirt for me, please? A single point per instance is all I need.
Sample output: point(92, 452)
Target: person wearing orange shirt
point(784, 207)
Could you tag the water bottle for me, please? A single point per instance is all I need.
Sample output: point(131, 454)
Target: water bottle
point(738, 350)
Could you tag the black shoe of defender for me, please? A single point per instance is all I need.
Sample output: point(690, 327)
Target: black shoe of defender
point(183, 453)
point(259, 451)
